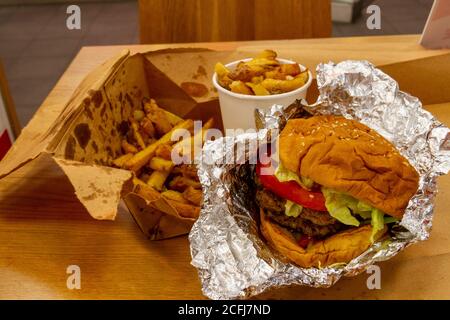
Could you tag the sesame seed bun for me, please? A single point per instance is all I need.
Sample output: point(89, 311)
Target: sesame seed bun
point(349, 157)
point(341, 247)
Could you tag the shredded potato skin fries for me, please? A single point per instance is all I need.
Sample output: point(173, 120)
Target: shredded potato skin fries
point(181, 183)
point(262, 75)
point(160, 164)
point(137, 135)
point(164, 151)
point(143, 156)
point(189, 145)
point(147, 151)
point(193, 195)
point(157, 179)
point(120, 161)
point(128, 147)
point(174, 195)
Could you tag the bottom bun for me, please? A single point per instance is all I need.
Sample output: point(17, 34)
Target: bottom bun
point(341, 247)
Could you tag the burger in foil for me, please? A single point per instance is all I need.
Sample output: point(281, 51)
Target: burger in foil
point(335, 190)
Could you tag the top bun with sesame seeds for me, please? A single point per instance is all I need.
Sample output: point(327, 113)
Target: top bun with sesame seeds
point(349, 157)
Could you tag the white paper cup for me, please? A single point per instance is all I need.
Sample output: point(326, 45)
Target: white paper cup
point(238, 110)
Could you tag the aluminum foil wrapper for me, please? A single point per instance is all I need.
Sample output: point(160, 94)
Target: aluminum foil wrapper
point(232, 259)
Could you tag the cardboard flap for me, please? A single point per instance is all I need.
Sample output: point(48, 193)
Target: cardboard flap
point(50, 122)
point(157, 223)
point(169, 96)
point(94, 136)
point(97, 187)
point(197, 72)
point(427, 79)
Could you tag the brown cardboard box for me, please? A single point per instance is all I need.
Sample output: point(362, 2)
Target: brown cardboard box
point(85, 136)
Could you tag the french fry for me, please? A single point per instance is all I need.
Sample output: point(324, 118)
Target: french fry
point(128, 147)
point(157, 179)
point(184, 193)
point(137, 182)
point(173, 119)
point(142, 157)
point(291, 69)
point(147, 127)
point(137, 136)
point(275, 74)
point(222, 75)
point(246, 73)
point(138, 115)
point(303, 76)
point(144, 177)
point(193, 195)
point(145, 190)
point(180, 183)
point(221, 70)
point(150, 105)
point(160, 122)
point(164, 151)
point(264, 69)
point(120, 161)
point(262, 62)
point(160, 164)
point(158, 117)
point(208, 125)
point(174, 195)
point(186, 145)
point(281, 86)
point(187, 171)
point(145, 137)
point(240, 87)
point(257, 79)
point(151, 141)
point(258, 89)
point(267, 54)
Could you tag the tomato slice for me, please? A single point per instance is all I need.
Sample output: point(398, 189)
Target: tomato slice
point(290, 190)
point(304, 241)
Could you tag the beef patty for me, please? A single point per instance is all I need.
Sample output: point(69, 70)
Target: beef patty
point(313, 223)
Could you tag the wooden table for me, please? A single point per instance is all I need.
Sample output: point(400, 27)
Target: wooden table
point(44, 229)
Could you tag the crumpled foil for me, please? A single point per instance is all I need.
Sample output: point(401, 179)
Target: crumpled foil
point(233, 261)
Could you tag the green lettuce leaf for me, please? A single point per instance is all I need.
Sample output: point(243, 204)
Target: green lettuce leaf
point(377, 222)
point(364, 214)
point(338, 205)
point(363, 207)
point(341, 206)
point(292, 209)
point(390, 220)
point(284, 175)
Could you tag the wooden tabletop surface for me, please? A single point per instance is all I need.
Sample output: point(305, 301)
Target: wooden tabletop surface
point(44, 229)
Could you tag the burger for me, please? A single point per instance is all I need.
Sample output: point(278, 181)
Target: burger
point(335, 190)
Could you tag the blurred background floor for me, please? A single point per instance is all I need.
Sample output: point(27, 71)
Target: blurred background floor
point(36, 47)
